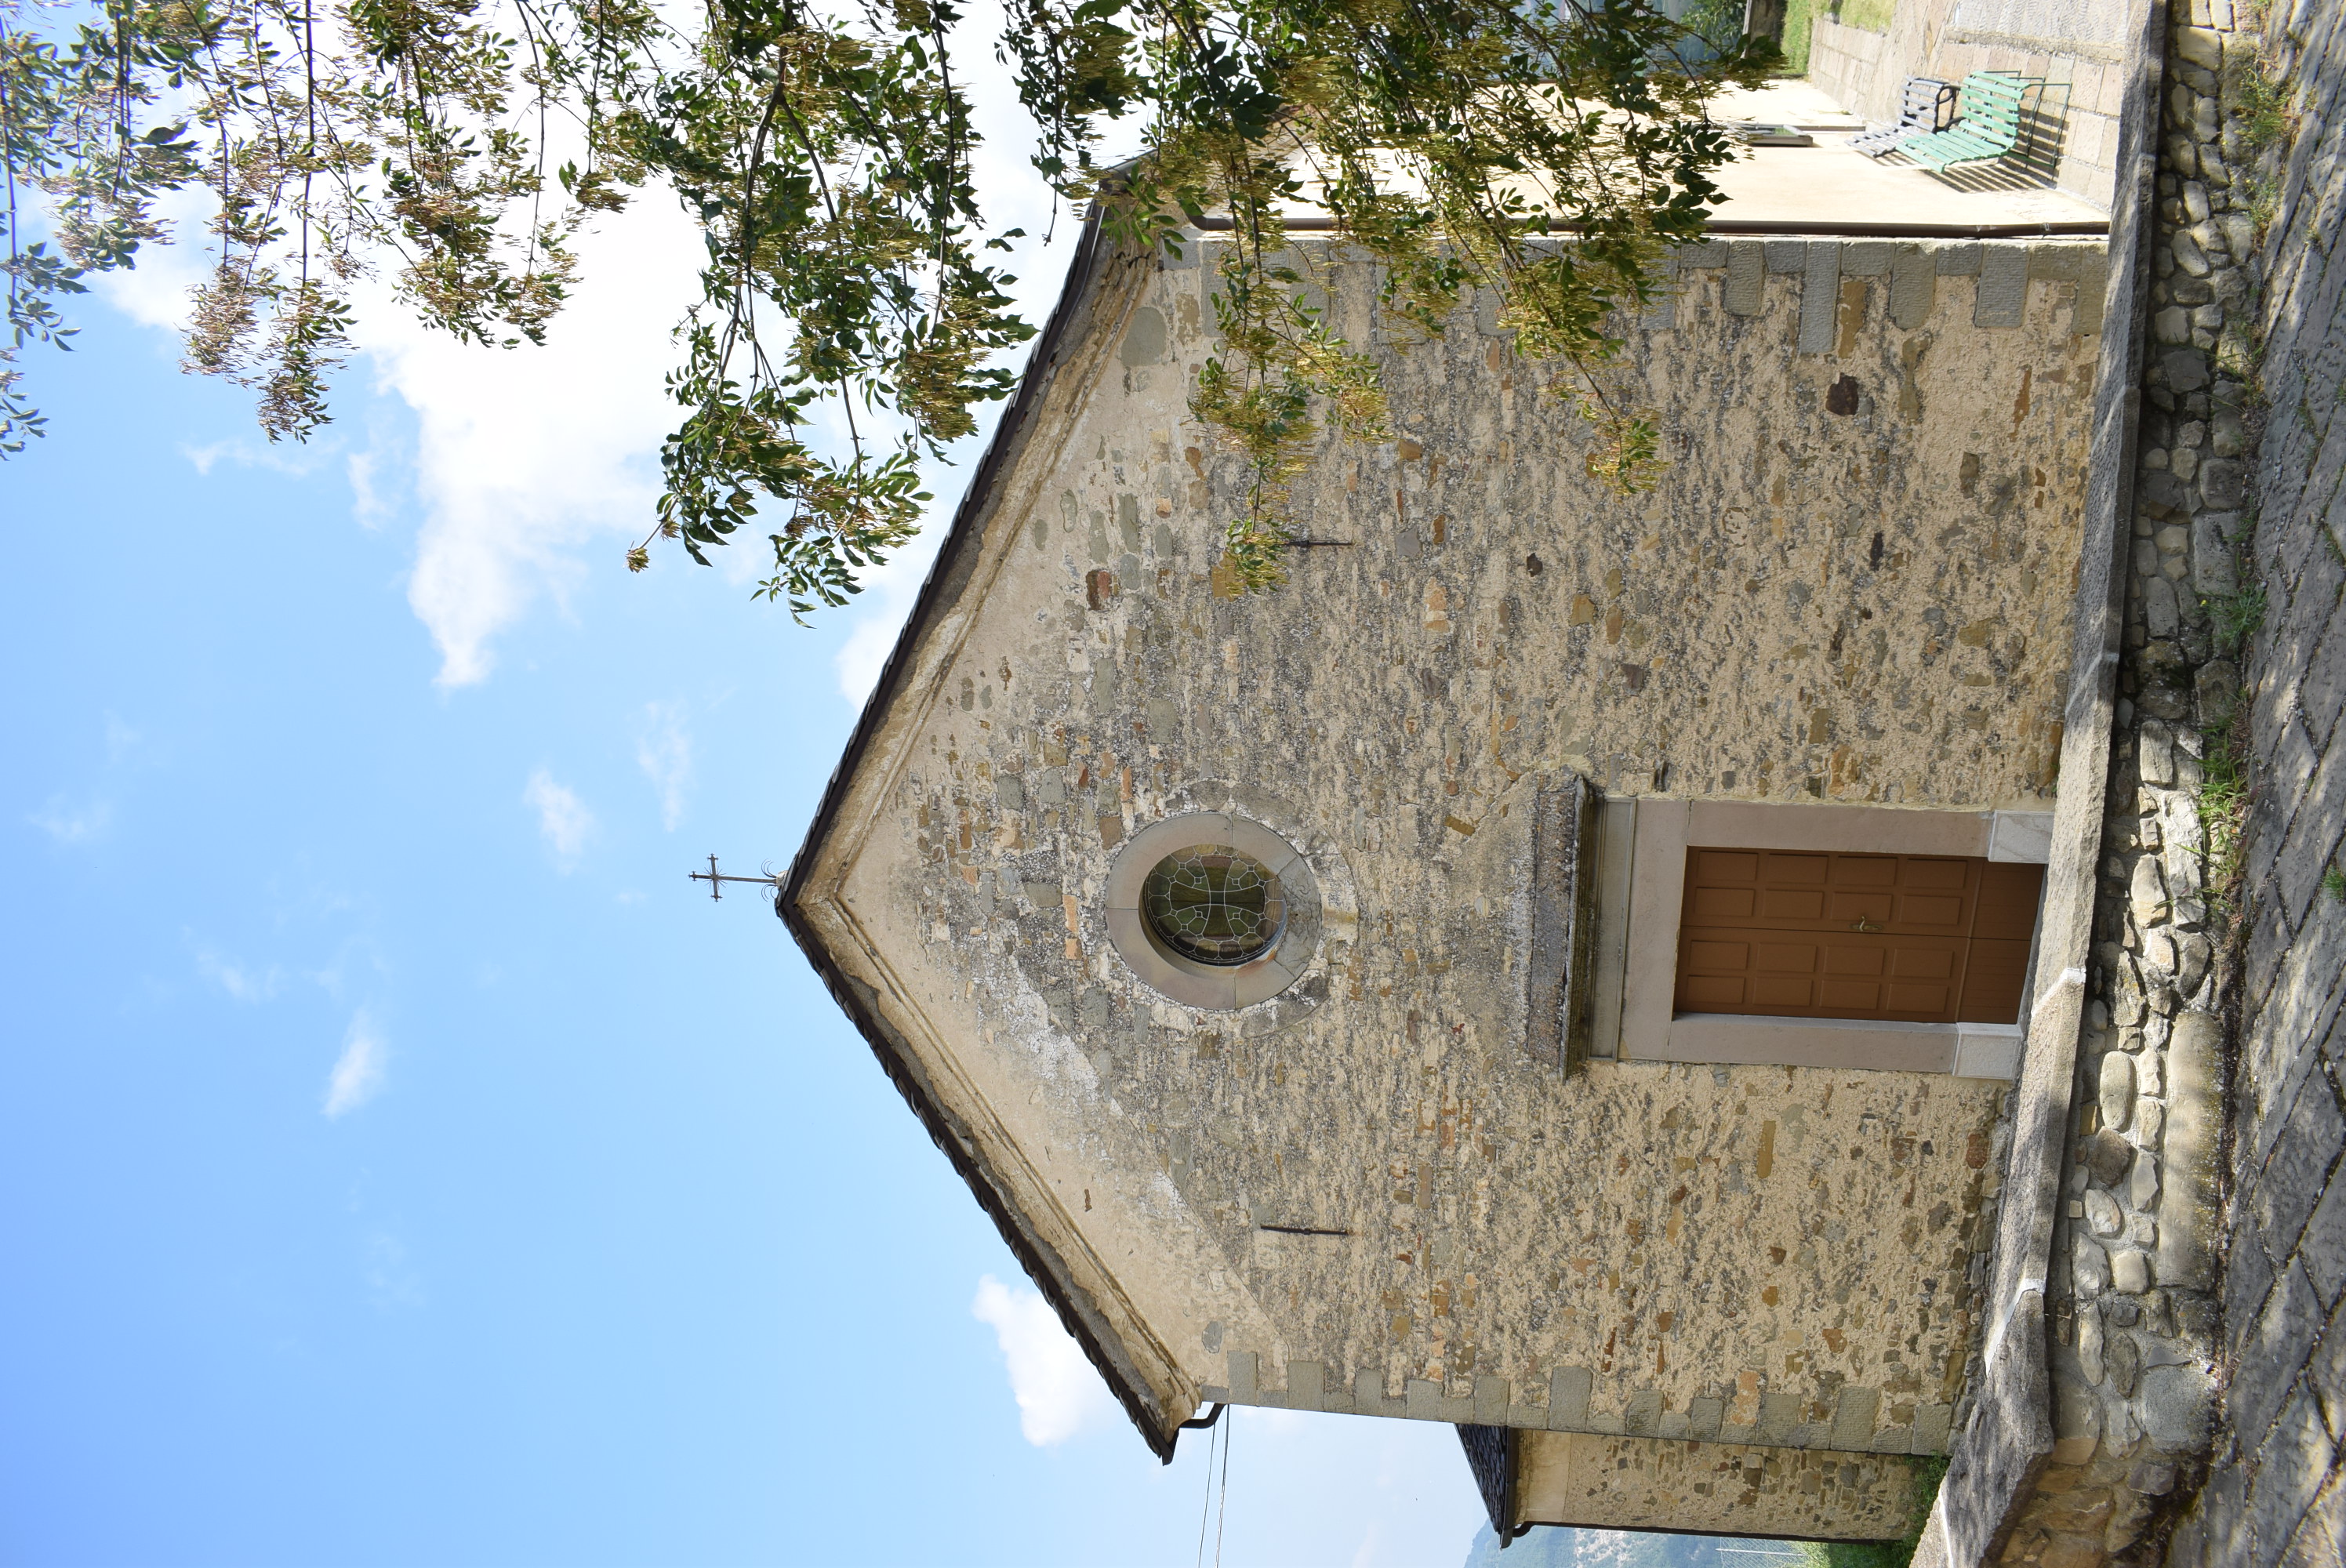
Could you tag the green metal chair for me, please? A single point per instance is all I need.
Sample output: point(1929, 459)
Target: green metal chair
point(1989, 128)
point(1928, 105)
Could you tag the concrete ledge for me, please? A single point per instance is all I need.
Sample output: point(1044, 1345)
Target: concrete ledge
point(1965, 1050)
point(1777, 1423)
point(2021, 838)
point(1987, 1051)
point(1851, 830)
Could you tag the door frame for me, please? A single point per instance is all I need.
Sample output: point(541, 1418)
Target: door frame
point(1641, 881)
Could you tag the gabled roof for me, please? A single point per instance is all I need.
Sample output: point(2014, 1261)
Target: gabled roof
point(949, 576)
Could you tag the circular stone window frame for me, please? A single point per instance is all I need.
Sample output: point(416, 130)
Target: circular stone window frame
point(1221, 988)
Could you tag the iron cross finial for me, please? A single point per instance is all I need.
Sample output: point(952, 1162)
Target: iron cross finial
point(716, 880)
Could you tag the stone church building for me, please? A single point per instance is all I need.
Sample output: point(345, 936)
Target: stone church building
point(1555, 966)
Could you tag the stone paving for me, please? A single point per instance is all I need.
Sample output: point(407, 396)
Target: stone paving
point(2277, 1492)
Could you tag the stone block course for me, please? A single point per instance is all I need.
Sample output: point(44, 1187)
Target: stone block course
point(2221, 1535)
point(2316, 580)
point(2321, 1538)
point(2285, 1191)
point(2290, 755)
point(2248, 1279)
point(2289, 1471)
point(2327, 1371)
point(2310, 846)
point(2287, 1329)
point(2323, 1245)
point(2321, 686)
point(2003, 292)
point(2285, 1059)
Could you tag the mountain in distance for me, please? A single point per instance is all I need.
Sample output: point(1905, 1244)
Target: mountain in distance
point(1560, 1546)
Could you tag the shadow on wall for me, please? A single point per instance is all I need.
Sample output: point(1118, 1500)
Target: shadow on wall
point(2043, 135)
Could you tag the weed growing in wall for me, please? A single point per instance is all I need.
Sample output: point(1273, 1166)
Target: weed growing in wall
point(2259, 108)
point(2237, 615)
point(2224, 807)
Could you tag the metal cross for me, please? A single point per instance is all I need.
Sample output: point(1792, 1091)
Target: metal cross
point(715, 879)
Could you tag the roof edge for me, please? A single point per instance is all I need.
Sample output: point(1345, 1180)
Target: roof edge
point(949, 573)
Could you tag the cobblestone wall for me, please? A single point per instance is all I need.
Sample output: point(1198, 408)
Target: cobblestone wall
point(2276, 1491)
point(2137, 1351)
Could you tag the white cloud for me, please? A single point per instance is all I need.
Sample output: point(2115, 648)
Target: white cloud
point(888, 592)
point(69, 824)
point(375, 476)
point(391, 1281)
point(297, 461)
point(69, 821)
point(524, 457)
point(242, 983)
point(562, 816)
point(527, 458)
point(1058, 1393)
point(664, 751)
point(358, 1072)
point(154, 293)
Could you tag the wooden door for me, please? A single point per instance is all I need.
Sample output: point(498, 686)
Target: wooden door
point(1921, 939)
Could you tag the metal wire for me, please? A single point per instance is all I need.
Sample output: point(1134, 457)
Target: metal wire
point(1206, 1510)
point(1222, 1515)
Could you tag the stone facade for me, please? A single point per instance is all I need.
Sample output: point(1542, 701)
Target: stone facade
point(1728, 1489)
point(1367, 1195)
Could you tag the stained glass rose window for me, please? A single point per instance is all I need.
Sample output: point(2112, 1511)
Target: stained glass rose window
point(1213, 904)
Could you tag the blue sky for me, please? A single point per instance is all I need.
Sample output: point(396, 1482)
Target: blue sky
point(400, 1162)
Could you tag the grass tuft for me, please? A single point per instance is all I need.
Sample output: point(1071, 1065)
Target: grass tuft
point(2254, 96)
point(2224, 807)
point(2237, 615)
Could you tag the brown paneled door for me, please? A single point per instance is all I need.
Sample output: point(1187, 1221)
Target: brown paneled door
point(1919, 939)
